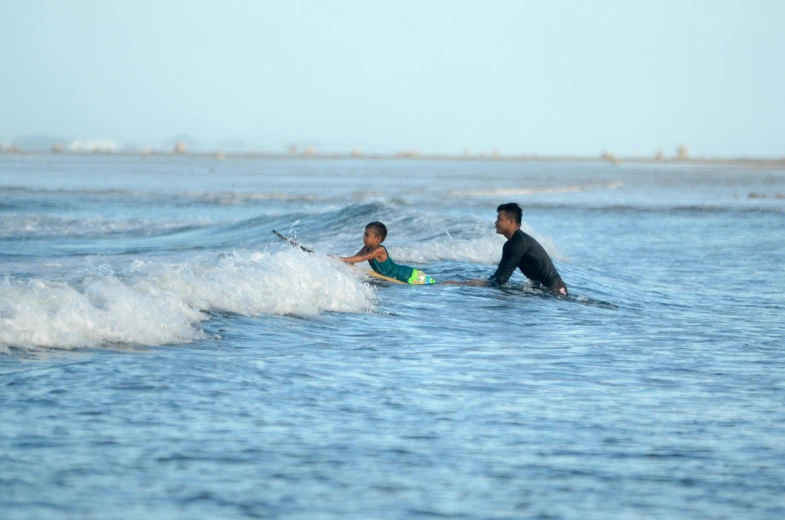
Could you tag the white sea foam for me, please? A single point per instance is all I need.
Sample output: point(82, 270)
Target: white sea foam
point(45, 225)
point(575, 188)
point(239, 198)
point(153, 303)
point(485, 249)
point(482, 250)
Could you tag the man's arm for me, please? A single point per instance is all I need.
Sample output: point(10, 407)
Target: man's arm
point(512, 253)
point(511, 258)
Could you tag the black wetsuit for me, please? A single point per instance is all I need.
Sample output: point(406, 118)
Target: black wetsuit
point(524, 252)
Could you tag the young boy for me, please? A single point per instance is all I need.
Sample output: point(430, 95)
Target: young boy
point(380, 260)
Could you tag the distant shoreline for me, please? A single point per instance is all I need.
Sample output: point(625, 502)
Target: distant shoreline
point(739, 162)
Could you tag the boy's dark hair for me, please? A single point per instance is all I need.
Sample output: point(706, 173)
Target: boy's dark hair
point(513, 209)
point(378, 229)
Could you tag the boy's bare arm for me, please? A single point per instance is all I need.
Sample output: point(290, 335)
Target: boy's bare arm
point(362, 256)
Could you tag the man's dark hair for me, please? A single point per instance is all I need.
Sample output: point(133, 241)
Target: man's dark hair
point(378, 229)
point(513, 209)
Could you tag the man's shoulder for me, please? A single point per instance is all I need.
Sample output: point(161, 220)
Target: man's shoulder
point(526, 239)
point(515, 244)
point(519, 237)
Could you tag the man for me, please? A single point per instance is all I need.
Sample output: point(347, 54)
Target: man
point(523, 252)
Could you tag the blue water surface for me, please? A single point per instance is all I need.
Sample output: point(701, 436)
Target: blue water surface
point(166, 356)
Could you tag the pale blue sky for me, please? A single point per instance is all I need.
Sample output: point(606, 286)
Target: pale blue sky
point(544, 77)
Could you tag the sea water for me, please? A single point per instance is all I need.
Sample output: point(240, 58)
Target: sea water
point(164, 355)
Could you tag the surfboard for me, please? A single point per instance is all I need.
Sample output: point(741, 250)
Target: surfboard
point(292, 242)
point(374, 274)
point(370, 273)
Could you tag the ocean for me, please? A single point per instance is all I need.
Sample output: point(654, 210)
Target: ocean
point(164, 355)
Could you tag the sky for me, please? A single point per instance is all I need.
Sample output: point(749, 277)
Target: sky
point(522, 77)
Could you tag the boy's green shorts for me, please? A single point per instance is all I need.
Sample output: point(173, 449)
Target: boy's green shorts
point(420, 278)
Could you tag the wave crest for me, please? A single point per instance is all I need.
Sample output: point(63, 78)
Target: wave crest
point(485, 249)
point(37, 225)
point(153, 303)
point(574, 188)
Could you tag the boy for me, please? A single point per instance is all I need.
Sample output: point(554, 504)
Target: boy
point(380, 260)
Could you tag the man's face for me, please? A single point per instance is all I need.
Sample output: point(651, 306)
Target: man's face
point(504, 222)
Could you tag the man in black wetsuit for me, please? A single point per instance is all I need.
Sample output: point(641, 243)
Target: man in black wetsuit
point(523, 252)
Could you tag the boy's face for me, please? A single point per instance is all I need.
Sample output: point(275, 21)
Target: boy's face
point(370, 239)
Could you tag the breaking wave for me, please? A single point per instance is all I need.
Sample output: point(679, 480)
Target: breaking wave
point(153, 303)
point(36, 225)
point(484, 249)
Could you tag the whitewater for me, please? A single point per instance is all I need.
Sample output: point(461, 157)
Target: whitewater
point(163, 354)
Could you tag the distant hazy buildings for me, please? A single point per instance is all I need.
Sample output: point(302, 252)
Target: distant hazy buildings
point(610, 157)
point(304, 150)
point(682, 153)
point(96, 146)
point(37, 142)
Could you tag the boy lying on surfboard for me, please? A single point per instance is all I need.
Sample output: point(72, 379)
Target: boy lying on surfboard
point(377, 255)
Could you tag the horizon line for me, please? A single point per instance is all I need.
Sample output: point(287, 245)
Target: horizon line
point(604, 157)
